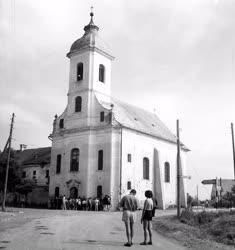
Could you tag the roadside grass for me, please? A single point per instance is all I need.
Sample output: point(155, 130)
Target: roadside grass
point(204, 230)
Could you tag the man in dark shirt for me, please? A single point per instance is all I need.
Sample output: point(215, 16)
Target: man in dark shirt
point(130, 204)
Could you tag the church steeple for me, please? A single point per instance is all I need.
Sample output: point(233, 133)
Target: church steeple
point(90, 40)
point(91, 26)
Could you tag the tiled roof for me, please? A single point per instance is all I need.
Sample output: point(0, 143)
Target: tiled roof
point(34, 156)
point(139, 119)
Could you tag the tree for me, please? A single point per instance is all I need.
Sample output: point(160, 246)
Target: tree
point(13, 178)
point(230, 197)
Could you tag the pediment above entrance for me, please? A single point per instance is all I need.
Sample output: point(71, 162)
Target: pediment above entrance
point(73, 183)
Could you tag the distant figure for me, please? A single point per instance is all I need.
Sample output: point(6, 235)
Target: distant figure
point(89, 204)
point(79, 203)
point(146, 218)
point(129, 203)
point(107, 202)
point(84, 204)
point(97, 204)
point(64, 203)
point(216, 202)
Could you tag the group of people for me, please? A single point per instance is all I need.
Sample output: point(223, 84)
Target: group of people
point(87, 204)
point(130, 204)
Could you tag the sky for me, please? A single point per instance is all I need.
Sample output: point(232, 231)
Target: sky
point(174, 57)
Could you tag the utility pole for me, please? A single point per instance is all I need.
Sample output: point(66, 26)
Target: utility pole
point(178, 168)
point(197, 197)
point(233, 148)
point(8, 162)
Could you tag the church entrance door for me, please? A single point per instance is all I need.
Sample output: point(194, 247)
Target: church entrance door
point(73, 193)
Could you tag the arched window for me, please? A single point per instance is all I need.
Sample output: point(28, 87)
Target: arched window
point(146, 168)
point(99, 191)
point(78, 104)
point(101, 73)
point(58, 164)
point(74, 162)
point(79, 71)
point(57, 192)
point(61, 123)
point(100, 160)
point(128, 185)
point(102, 116)
point(167, 171)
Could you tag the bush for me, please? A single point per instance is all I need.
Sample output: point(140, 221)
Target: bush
point(191, 218)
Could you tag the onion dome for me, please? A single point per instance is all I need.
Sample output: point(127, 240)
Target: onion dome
point(90, 40)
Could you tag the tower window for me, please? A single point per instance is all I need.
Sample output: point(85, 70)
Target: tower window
point(74, 162)
point(100, 160)
point(47, 173)
point(167, 171)
point(99, 191)
point(146, 168)
point(58, 164)
point(101, 73)
point(78, 104)
point(61, 123)
point(128, 185)
point(79, 71)
point(102, 116)
point(128, 157)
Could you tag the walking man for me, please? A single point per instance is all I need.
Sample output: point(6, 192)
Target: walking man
point(129, 203)
point(64, 203)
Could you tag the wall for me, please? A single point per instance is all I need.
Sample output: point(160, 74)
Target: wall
point(140, 146)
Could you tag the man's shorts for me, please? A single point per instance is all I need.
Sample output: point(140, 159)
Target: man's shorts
point(128, 216)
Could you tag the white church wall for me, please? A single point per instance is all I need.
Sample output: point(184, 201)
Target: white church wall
point(89, 143)
point(140, 146)
point(102, 87)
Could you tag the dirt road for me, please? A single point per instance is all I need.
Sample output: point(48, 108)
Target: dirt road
point(70, 230)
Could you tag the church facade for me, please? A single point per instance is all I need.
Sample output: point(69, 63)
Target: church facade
point(101, 145)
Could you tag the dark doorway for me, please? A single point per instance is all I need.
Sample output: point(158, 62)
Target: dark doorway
point(57, 192)
point(99, 191)
point(73, 193)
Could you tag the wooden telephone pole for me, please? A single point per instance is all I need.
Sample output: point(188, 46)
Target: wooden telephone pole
point(8, 163)
point(178, 168)
point(233, 148)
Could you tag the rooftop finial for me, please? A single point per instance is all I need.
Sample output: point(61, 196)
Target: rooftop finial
point(91, 26)
point(92, 14)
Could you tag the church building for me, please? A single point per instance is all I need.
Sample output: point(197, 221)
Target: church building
point(103, 146)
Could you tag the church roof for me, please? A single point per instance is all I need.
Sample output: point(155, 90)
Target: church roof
point(34, 156)
point(138, 119)
point(90, 39)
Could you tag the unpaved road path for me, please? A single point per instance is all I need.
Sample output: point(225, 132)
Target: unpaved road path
point(68, 230)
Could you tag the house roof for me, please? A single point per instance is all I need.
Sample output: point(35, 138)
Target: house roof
point(34, 156)
point(139, 119)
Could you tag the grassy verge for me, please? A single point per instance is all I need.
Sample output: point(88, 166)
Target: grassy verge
point(199, 231)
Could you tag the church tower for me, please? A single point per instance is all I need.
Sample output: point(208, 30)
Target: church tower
point(90, 73)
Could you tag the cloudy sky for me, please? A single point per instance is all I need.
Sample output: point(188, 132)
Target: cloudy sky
point(176, 57)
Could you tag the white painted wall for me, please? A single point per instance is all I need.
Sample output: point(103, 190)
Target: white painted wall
point(140, 146)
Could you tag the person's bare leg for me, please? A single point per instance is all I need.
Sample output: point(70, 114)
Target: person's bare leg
point(145, 232)
point(127, 231)
point(132, 230)
point(150, 231)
